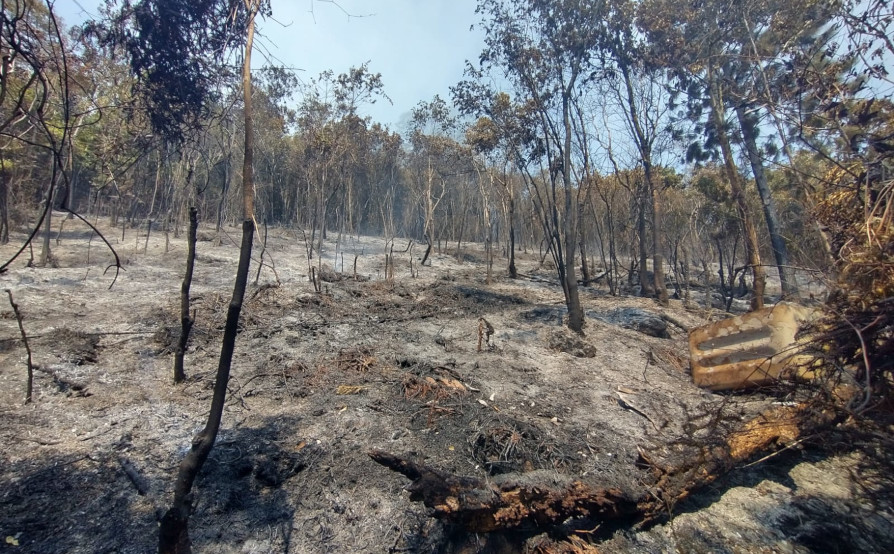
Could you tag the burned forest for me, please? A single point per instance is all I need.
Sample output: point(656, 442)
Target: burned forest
point(624, 283)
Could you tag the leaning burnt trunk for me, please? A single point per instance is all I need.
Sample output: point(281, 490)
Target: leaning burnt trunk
point(174, 530)
point(737, 188)
point(483, 506)
point(173, 536)
point(427, 250)
point(780, 251)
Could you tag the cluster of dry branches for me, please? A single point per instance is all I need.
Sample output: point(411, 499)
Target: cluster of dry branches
point(857, 335)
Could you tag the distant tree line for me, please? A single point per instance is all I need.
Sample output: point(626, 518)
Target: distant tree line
point(651, 146)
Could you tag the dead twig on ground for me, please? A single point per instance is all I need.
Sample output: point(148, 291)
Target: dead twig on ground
point(136, 478)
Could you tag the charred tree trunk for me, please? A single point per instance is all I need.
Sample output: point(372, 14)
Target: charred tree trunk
point(225, 189)
point(513, 272)
point(29, 384)
point(570, 238)
point(173, 535)
point(4, 203)
point(174, 530)
point(657, 257)
point(45, 255)
point(644, 141)
point(186, 321)
point(584, 266)
point(646, 284)
point(427, 250)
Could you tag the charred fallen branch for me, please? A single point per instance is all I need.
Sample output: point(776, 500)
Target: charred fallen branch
point(481, 507)
point(675, 471)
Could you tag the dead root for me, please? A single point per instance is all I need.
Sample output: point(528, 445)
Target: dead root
point(504, 445)
point(361, 359)
point(429, 387)
point(679, 469)
point(571, 545)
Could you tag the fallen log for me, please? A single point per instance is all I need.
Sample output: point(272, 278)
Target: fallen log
point(677, 469)
point(480, 506)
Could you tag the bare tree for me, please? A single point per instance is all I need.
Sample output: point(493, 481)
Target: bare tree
point(548, 52)
point(174, 532)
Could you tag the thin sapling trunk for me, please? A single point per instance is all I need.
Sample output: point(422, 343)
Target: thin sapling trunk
point(186, 320)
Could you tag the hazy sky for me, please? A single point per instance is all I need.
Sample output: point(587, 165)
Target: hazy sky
point(419, 46)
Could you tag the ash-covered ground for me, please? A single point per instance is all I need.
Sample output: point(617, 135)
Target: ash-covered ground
point(321, 378)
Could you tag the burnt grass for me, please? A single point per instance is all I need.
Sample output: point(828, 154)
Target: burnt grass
point(320, 379)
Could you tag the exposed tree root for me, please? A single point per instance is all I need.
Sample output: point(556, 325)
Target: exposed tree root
point(680, 469)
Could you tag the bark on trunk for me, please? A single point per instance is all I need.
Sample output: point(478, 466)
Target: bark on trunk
point(752, 246)
point(174, 529)
point(186, 321)
point(657, 258)
point(644, 143)
point(780, 251)
point(427, 251)
point(584, 267)
point(572, 296)
point(173, 537)
point(47, 230)
point(646, 284)
point(4, 204)
point(223, 193)
point(513, 272)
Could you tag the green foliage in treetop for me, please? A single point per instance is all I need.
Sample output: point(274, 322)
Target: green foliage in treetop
point(759, 51)
point(432, 130)
point(505, 130)
point(483, 135)
point(688, 34)
point(433, 118)
point(716, 214)
point(276, 88)
point(178, 52)
point(854, 129)
point(543, 46)
point(328, 117)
